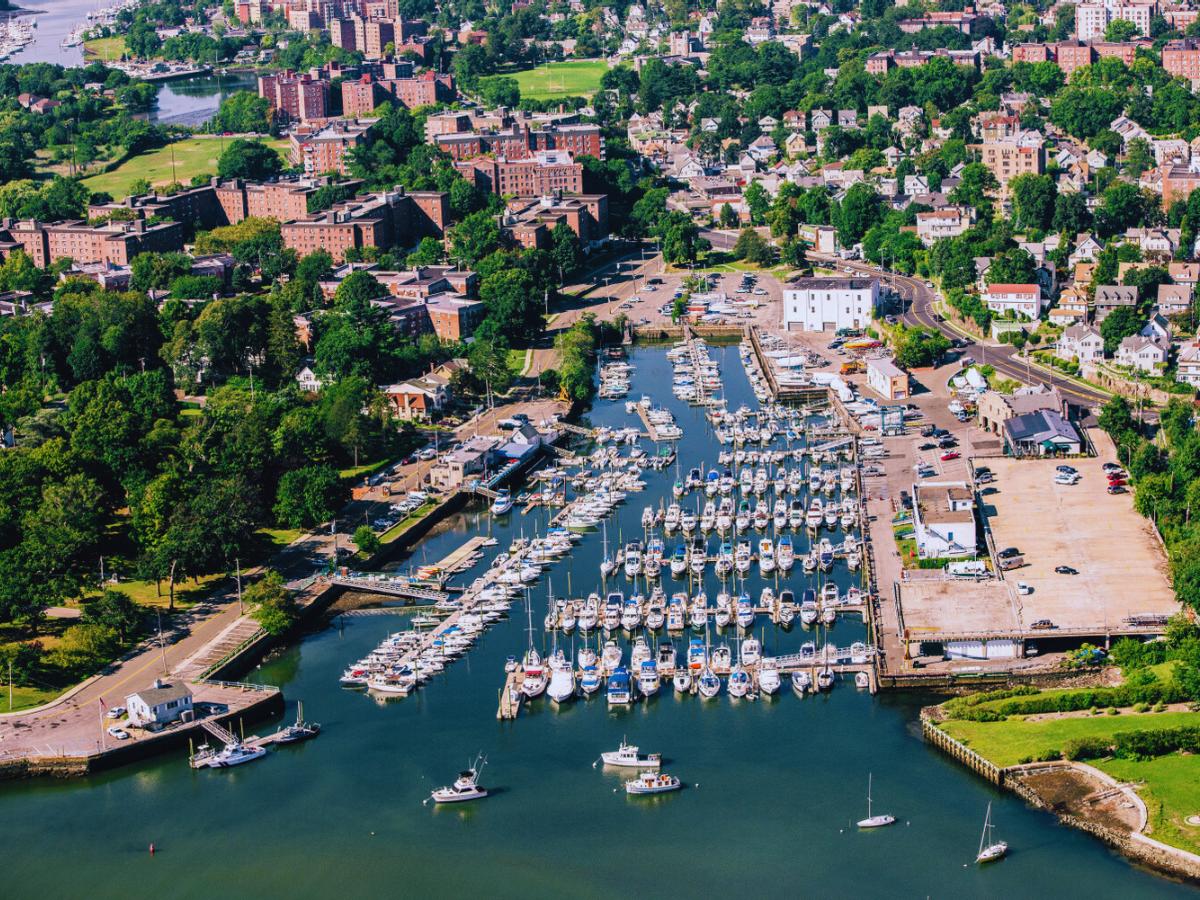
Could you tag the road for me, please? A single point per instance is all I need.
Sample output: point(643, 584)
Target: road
point(918, 311)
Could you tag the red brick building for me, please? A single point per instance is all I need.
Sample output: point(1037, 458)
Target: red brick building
point(116, 243)
point(1181, 59)
point(327, 148)
point(384, 220)
point(297, 98)
point(522, 142)
point(544, 173)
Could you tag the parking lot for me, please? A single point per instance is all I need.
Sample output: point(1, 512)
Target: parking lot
point(1122, 569)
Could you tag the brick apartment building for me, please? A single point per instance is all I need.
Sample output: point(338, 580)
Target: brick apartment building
point(324, 149)
point(384, 220)
point(1181, 59)
point(362, 96)
point(519, 141)
point(116, 243)
point(529, 220)
point(297, 98)
point(545, 173)
point(1021, 154)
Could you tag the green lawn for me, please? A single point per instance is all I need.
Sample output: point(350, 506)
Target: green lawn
point(573, 78)
point(194, 156)
point(407, 522)
point(1171, 789)
point(1007, 743)
point(26, 697)
point(105, 48)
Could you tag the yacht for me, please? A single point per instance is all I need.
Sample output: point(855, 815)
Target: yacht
point(465, 787)
point(721, 658)
point(631, 614)
point(699, 616)
point(648, 679)
point(648, 517)
point(723, 613)
point(687, 521)
point(589, 681)
point(233, 754)
point(815, 514)
point(612, 611)
point(666, 656)
point(671, 519)
point(698, 558)
point(824, 679)
point(633, 559)
point(768, 677)
point(801, 682)
point(534, 682)
point(677, 612)
point(779, 516)
point(610, 658)
point(739, 681)
point(766, 556)
point(745, 611)
point(626, 756)
point(743, 559)
point(655, 617)
point(787, 607)
point(589, 616)
point(620, 688)
point(585, 657)
point(679, 561)
point(682, 680)
point(751, 651)
point(989, 850)
point(697, 655)
point(562, 679)
point(503, 502)
point(708, 684)
point(785, 556)
point(808, 607)
point(796, 514)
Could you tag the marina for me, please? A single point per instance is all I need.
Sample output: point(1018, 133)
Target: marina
point(750, 764)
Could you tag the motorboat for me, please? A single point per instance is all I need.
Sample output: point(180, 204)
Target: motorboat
point(626, 756)
point(766, 556)
point(874, 821)
point(697, 655)
point(801, 682)
point(653, 783)
point(743, 558)
point(666, 656)
point(721, 658)
point(677, 612)
point(585, 657)
point(671, 519)
point(589, 616)
point(655, 617)
point(682, 680)
point(562, 679)
point(745, 611)
point(612, 611)
point(589, 680)
point(640, 653)
point(633, 559)
point(648, 678)
point(233, 754)
point(620, 688)
point(785, 556)
point(534, 682)
point(824, 679)
point(723, 613)
point(631, 614)
point(751, 651)
point(466, 786)
point(679, 561)
point(739, 681)
point(862, 681)
point(699, 614)
point(787, 607)
point(610, 658)
point(808, 607)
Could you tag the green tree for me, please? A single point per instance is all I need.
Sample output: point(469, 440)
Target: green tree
point(309, 496)
point(475, 237)
point(500, 91)
point(252, 160)
point(1121, 30)
point(1013, 266)
point(976, 182)
point(1033, 200)
point(366, 540)
point(273, 606)
point(243, 112)
point(757, 202)
point(1119, 324)
point(728, 218)
point(753, 248)
point(565, 249)
point(115, 610)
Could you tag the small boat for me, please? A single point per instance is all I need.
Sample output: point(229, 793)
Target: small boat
point(739, 681)
point(589, 680)
point(653, 783)
point(768, 677)
point(824, 679)
point(562, 679)
point(299, 730)
point(626, 756)
point(787, 607)
point(648, 679)
point(871, 821)
point(620, 687)
point(535, 680)
point(801, 682)
point(465, 787)
point(682, 680)
point(862, 681)
point(233, 754)
point(708, 684)
point(989, 850)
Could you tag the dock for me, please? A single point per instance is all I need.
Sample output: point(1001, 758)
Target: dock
point(646, 423)
point(459, 559)
point(390, 586)
point(510, 696)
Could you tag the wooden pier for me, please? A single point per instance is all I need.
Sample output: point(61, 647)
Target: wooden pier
point(510, 696)
point(457, 559)
point(392, 587)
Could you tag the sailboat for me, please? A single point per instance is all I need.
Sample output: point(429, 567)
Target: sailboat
point(874, 821)
point(989, 850)
point(607, 565)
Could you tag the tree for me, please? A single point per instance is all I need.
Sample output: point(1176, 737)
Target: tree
point(917, 347)
point(757, 202)
point(1014, 266)
point(252, 160)
point(474, 237)
point(1120, 31)
point(273, 606)
point(513, 305)
point(728, 218)
point(681, 241)
point(860, 210)
point(975, 183)
point(500, 91)
point(114, 609)
point(1033, 200)
point(309, 496)
point(243, 112)
point(357, 290)
point(366, 540)
point(565, 249)
point(1119, 324)
point(1071, 214)
point(751, 247)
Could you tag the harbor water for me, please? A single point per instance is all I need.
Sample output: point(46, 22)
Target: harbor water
point(772, 787)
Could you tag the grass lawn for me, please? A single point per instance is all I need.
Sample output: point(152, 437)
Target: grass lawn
point(573, 78)
point(1007, 743)
point(105, 48)
point(1171, 790)
point(404, 524)
point(194, 156)
point(353, 473)
point(26, 697)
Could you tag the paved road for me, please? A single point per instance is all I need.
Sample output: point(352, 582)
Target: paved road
point(919, 299)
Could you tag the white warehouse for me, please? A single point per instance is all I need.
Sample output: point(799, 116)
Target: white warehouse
point(829, 304)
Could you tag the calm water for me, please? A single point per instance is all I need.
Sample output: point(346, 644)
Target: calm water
point(190, 101)
point(772, 785)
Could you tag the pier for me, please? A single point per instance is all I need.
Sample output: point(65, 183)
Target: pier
point(390, 586)
point(510, 696)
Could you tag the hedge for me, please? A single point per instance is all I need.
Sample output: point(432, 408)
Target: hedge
point(1070, 701)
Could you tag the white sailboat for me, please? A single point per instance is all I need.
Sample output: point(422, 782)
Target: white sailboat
point(872, 821)
point(989, 850)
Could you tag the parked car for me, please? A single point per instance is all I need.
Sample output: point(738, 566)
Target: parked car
point(1023, 588)
point(1111, 467)
point(1066, 570)
point(427, 454)
point(947, 441)
point(950, 454)
point(118, 732)
point(927, 446)
point(1068, 469)
point(1065, 478)
point(116, 712)
point(1009, 552)
point(1117, 489)
point(1042, 625)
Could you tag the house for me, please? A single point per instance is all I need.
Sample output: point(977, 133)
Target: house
point(887, 379)
point(820, 119)
point(1174, 299)
point(1114, 296)
point(1141, 353)
point(762, 148)
point(916, 184)
point(847, 118)
point(827, 304)
point(1041, 433)
point(1158, 329)
point(418, 399)
point(1184, 272)
point(160, 705)
point(456, 467)
point(936, 224)
point(1087, 248)
point(1018, 299)
point(308, 380)
point(1187, 363)
point(1081, 342)
point(524, 441)
point(1072, 306)
point(944, 519)
point(993, 409)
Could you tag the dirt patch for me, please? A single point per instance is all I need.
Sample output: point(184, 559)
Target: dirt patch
point(1070, 792)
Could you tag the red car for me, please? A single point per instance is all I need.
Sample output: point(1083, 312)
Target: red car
point(950, 454)
point(1116, 482)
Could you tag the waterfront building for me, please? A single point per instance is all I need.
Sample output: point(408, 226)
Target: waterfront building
point(887, 379)
point(160, 705)
point(944, 519)
point(827, 304)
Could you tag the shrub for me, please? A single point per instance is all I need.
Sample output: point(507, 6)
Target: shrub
point(1113, 711)
point(1086, 748)
point(1050, 756)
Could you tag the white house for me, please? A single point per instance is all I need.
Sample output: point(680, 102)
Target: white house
point(1141, 353)
point(308, 380)
point(944, 519)
point(1187, 363)
point(1020, 299)
point(829, 304)
point(949, 222)
point(1081, 341)
point(160, 705)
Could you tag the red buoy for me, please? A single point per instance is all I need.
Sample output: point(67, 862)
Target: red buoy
point(151, 849)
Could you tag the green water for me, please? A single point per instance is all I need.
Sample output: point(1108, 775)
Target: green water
point(772, 785)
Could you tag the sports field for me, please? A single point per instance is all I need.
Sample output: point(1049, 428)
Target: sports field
point(108, 48)
point(194, 156)
point(573, 78)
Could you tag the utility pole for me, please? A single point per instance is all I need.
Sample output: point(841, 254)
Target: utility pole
point(10, 686)
point(238, 562)
point(162, 646)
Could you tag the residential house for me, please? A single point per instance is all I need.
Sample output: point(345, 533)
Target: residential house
point(936, 224)
point(1141, 353)
point(847, 118)
point(418, 399)
point(1184, 273)
point(1114, 296)
point(1041, 433)
point(1158, 329)
point(308, 379)
point(916, 184)
point(1087, 249)
point(1018, 299)
point(1174, 299)
point(456, 467)
point(944, 519)
point(993, 409)
point(762, 148)
point(160, 705)
point(1081, 342)
point(1187, 363)
point(1072, 306)
point(820, 119)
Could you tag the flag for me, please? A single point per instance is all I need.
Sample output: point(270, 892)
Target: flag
point(103, 707)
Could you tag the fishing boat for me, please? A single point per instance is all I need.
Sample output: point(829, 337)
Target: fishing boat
point(626, 756)
point(620, 687)
point(653, 783)
point(989, 850)
point(503, 502)
point(873, 821)
point(466, 786)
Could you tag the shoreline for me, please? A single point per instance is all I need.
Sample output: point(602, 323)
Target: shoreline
point(1036, 784)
